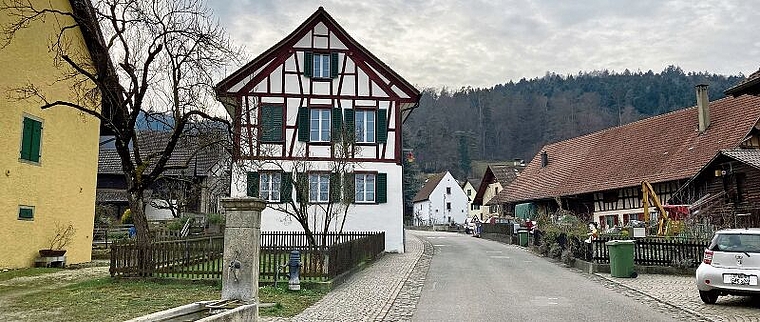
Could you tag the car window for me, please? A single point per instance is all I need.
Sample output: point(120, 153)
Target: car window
point(736, 243)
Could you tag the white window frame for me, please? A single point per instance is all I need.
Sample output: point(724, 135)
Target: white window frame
point(365, 128)
point(365, 190)
point(269, 185)
point(321, 65)
point(323, 118)
point(319, 187)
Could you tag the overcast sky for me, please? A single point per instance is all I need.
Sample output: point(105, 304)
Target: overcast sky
point(483, 43)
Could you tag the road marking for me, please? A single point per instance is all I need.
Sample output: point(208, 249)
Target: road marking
point(441, 245)
point(494, 251)
point(549, 301)
point(527, 261)
point(499, 257)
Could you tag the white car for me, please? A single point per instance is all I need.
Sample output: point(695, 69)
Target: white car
point(731, 265)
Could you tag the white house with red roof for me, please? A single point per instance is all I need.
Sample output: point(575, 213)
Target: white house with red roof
point(315, 100)
point(440, 201)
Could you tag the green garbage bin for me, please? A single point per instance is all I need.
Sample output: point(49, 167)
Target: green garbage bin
point(522, 235)
point(621, 258)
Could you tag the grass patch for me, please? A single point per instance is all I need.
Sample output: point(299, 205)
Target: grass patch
point(107, 299)
point(4, 276)
point(288, 303)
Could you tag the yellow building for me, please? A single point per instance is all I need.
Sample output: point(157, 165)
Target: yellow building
point(48, 158)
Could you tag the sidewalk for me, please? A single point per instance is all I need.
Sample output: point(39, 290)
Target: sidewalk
point(387, 290)
point(681, 292)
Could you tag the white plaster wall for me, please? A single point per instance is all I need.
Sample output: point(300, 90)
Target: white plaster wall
point(457, 198)
point(386, 217)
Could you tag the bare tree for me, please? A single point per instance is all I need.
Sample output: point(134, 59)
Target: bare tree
point(315, 213)
point(153, 59)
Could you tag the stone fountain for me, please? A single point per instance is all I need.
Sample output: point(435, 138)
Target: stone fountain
point(240, 276)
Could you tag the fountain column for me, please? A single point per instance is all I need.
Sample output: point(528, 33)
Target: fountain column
point(240, 273)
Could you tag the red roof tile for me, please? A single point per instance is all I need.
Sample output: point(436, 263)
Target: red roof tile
point(657, 149)
point(432, 182)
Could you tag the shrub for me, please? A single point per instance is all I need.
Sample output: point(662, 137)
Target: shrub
point(567, 257)
point(555, 251)
point(126, 218)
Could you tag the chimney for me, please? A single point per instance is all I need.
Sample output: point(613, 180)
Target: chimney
point(544, 159)
point(703, 107)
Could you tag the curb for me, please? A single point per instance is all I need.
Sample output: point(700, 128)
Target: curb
point(695, 313)
point(387, 307)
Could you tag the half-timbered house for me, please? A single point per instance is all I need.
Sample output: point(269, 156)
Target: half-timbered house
point(599, 175)
point(317, 119)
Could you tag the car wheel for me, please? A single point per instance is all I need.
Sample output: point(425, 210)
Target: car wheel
point(709, 297)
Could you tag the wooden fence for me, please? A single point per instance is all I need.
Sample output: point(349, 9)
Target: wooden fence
point(201, 258)
point(655, 251)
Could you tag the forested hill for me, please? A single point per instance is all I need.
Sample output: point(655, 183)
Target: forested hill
point(515, 120)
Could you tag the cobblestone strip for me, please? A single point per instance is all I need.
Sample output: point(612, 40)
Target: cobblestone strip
point(405, 304)
point(671, 309)
point(369, 294)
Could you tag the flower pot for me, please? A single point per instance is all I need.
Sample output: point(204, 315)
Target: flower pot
point(52, 252)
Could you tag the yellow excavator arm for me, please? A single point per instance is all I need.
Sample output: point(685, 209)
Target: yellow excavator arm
point(650, 197)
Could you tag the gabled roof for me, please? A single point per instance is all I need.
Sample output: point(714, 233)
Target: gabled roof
point(750, 157)
point(751, 86)
point(188, 153)
point(662, 148)
point(501, 173)
point(432, 182)
point(285, 45)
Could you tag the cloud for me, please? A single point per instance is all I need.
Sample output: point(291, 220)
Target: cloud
point(483, 43)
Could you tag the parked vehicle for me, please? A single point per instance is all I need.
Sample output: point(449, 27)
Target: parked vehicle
point(731, 265)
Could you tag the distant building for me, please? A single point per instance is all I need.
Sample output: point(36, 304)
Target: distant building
point(470, 188)
point(440, 201)
point(496, 177)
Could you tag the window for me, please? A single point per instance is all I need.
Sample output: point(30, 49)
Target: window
point(271, 123)
point(448, 206)
point(25, 213)
point(321, 63)
point(365, 126)
point(448, 190)
point(365, 187)
point(270, 186)
point(319, 127)
point(319, 187)
point(609, 222)
point(31, 140)
point(469, 192)
point(475, 207)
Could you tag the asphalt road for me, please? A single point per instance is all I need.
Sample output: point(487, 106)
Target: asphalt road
point(472, 279)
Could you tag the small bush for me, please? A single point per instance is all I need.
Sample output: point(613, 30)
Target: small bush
point(126, 218)
point(567, 257)
point(555, 251)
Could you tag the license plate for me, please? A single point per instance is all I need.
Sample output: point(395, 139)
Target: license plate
point(740, 279)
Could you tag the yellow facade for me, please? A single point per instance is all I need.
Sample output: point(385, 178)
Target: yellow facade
point(61, 186)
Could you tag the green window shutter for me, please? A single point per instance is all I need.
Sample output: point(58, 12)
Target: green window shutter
point(26, 138)
point(333, 65)
point(350, 123)
point(303, 124)
point(382, 126)
point(286, 187)
point(334, 187)
point(31, 140)
point(302, 187)
point(253, 184)
point(337, 124)
point(382, 188)
point(308, 60)
point(349, 188)
point(271, 121)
